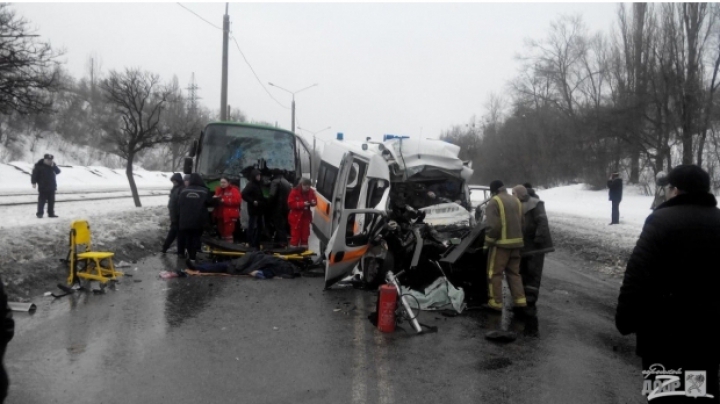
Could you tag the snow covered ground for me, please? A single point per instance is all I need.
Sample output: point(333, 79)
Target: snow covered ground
point(579, 217)
point(23, 237)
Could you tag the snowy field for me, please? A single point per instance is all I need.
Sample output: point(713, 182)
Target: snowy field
point(585, 215)
point(23, 237)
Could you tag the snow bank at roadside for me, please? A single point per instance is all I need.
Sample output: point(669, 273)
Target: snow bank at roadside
point(579, 219)
point(16, 178)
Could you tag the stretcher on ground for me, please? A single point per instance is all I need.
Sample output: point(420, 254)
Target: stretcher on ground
point(218, 249)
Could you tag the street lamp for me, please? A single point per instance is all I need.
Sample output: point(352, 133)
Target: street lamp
point(293, 100)
point(314, 134)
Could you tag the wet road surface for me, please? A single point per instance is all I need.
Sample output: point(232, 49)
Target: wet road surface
point(240, 340)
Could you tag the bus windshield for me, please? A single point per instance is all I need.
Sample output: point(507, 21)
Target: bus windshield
point(229, 149)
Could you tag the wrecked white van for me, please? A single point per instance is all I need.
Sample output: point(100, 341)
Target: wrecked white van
point(415, 175)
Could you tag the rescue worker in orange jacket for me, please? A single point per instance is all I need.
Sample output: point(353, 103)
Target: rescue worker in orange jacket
point(300, 200)
point(227, 210)
point(503, 241)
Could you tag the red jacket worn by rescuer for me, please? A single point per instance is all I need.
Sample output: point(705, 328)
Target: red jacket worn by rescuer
point(227, 211)
point(300, 215)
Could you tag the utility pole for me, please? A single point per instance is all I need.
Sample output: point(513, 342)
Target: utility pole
point(224, 90)
point(293, 114)
point(293, 100)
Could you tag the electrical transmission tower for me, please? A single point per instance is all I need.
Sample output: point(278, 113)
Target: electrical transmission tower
point(193, 98)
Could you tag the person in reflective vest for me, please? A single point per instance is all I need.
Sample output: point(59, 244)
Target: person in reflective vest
point(300, 200)
point(503, 242)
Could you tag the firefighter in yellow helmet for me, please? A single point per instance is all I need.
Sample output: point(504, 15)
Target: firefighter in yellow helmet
point(503, 242)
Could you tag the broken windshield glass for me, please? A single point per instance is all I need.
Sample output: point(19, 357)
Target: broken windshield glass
point(228, 149)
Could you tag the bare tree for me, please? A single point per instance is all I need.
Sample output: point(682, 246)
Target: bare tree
point(137, 100)
point(28, 68)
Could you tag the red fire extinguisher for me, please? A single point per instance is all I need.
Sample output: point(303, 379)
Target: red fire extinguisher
point(387, 304)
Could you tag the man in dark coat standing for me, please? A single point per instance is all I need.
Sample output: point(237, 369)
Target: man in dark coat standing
point(668, 298)
point(192, 205)
point(279, 192)
point(178, 185)
point(7, 331)
point(43, 176)
point(253, 195)
point(536, 243)
point(615, 187)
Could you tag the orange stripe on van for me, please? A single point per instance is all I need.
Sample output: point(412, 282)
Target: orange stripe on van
point(351, 255)
point(322, 207)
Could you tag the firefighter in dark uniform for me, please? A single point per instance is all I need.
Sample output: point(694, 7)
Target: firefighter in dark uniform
point(537, 243)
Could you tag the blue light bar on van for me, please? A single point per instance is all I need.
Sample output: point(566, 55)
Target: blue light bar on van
point(340, 136)
point(387, 137)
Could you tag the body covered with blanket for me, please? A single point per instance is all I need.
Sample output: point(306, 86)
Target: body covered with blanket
point(256, 264)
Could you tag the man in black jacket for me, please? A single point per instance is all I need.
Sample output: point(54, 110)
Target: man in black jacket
point(669, 294)
point(253, 195)
point(7, 331)
point(615, 190)
point(279, 192)
point(43, 176)
point(178, 185)
point(536, 243)
point(192, 204)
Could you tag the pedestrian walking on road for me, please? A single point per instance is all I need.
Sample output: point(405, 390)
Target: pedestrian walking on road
point(177, 181)
point(43, 177)
point(193, 201)
point(227, 210)
point(615, 191)
point(668, 297)
point(536, 243)
point(301, 199)
point(503, 242)
point(253, 195)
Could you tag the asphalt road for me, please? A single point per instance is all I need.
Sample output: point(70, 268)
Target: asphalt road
point(241, 340)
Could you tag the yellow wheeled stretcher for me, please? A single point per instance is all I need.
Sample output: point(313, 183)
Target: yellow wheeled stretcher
point(85, 263)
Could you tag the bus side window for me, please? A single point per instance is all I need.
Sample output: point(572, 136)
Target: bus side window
point(304, 160)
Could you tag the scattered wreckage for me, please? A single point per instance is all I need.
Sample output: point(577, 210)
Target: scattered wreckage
point(398, 212)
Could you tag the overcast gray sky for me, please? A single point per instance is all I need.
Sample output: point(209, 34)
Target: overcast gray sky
point(402, 68)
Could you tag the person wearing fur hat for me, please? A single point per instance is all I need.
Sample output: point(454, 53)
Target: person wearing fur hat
point(253, 195)
point(537, 243)
point(177, 181)
point(503, 242)
point(668, 297)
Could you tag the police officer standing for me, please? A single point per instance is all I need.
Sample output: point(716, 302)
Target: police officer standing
point(615, 190)
point(43, 177)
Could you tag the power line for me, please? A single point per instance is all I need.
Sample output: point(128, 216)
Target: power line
point(255, 74)
point(198, 16)
point(241, 53)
